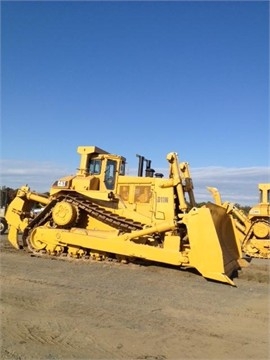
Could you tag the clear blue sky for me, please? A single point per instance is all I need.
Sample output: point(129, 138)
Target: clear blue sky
point(136, 78)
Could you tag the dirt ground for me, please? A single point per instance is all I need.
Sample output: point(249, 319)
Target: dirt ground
point(56, 309)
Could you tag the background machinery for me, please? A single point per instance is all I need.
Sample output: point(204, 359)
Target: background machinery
point(261, 211)
point(252, 230)
point(6, 196)
point(101, 213)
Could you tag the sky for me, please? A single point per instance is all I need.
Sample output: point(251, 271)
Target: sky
point(137, 77)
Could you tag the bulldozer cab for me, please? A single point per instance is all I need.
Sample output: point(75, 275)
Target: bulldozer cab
point(98, 171)
point(262, 209)
point(107, 177)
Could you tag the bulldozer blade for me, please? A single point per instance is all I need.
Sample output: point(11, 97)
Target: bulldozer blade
point(213, 247)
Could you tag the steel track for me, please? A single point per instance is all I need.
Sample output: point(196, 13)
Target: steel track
point(83, 204)
point(248, 241)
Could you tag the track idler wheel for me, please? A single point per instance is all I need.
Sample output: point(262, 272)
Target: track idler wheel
point(35, 245)
point(64, 214)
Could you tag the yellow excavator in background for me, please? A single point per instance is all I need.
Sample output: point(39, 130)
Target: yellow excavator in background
point(253, 229)
point(101, 213)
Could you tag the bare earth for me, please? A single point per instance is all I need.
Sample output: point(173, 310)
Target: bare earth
point(60, 309)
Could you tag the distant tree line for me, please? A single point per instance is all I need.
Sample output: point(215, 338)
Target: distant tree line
point(7, 194)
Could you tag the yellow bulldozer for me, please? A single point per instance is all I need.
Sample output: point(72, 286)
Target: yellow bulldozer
point(103, 214)
point(252, 230)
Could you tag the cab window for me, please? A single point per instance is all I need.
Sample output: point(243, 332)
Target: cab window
point(94, 167)
point(122, 169)
point(110, 174)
